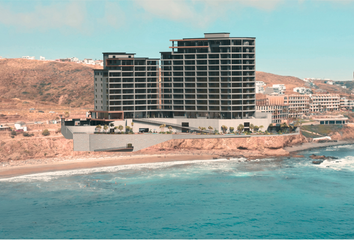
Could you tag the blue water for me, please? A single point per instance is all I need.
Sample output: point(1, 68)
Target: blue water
point(269, 198)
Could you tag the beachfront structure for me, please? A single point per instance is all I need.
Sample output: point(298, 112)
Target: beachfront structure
point(324, 102)
point(211, 77)
point(276, 106)
point(298, 105)
point(203, 83)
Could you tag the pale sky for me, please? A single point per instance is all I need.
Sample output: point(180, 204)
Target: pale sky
point(302, 38)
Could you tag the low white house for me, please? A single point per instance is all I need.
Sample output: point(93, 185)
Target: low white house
point(302, 90)
point(21, 126)
point(28, 57)
point(41, 58)
point(260, 87)
point(89, 61)
point(281, 88)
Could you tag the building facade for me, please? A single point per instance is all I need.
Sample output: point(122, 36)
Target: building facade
point(126, 85)
point(276, 106)
point(211, 77)
point(299, 105)
point(324, 102)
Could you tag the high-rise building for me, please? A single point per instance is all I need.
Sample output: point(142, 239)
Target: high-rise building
point(127, 87)
point(211, 77)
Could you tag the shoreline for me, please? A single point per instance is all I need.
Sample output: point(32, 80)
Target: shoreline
point(14, 171)
point(312, 145)
point(74, 163)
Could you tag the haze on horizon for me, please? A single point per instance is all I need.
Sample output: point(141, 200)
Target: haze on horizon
point(302, 38)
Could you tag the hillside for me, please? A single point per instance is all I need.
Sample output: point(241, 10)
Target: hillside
point(290, 82)
point(47, 81)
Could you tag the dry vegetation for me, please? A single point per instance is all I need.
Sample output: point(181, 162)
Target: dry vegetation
point(47, 81)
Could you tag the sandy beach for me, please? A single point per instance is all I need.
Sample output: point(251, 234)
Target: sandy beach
point(43, 165)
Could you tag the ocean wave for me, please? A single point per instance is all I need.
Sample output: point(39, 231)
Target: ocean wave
point(341, 164)
point(48, 176)
point(340, 147)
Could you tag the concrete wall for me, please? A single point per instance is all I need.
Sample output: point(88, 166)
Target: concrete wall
point(94, 142)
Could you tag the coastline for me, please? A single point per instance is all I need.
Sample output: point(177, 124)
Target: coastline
point(108, 161)
point(34, 166)
point(312, 145)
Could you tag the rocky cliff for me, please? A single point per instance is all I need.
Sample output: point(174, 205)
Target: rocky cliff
point(248, 147)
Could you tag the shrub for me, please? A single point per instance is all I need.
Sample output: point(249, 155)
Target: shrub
point(13, 133)
point(45, 132)
point(25, 134)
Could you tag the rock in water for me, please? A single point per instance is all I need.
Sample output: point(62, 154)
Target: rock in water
point(317, 162)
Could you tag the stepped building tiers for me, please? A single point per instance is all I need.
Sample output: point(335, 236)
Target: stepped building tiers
point(202, 83)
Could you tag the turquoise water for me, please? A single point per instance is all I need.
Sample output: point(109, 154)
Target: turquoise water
point(271, 198)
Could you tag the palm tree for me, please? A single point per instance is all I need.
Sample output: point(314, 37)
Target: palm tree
point(240, 128)
point(231, 129)
point(128, 129)
point(256, 128)
point(105, 127)
point(210, 128)
point(170, 128)
point(120, 127)
point(260, 127)
point(224, 128)
point(98, 128)
point(163, 127)
point(251, 127)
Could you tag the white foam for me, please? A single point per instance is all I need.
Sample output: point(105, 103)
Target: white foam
point(48, 176)
point(341, 164)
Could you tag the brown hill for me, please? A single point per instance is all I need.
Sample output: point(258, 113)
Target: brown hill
point(47, 81)
point(290, 82)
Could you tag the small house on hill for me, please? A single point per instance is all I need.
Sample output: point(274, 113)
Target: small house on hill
point(21, 126)
point(4, 127)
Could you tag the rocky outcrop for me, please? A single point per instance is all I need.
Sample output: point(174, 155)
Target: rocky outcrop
point(249, 147)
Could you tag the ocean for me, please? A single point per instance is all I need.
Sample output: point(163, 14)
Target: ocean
point(267, 198)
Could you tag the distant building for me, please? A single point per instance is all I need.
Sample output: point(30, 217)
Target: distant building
point(260, 87)
point(74, 59)
point(302, 90)
point(21, 126)
point(89, 61)
point(344, 87)
point(324, 102)
point(28, 57)
point(330, 82)
point(298, 105)
point(281, 88)
point(346, 103)
point(41, 58)
point(276, 106)
point(99, 62)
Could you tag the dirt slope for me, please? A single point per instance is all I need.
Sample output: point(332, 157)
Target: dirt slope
point(290, 82)
point(47, 81)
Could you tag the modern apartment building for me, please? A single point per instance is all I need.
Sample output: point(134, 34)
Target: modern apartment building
point(324, 102)
point(211, 77)
point(127, 87)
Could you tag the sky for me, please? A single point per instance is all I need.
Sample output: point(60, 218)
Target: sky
point(301, 38)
